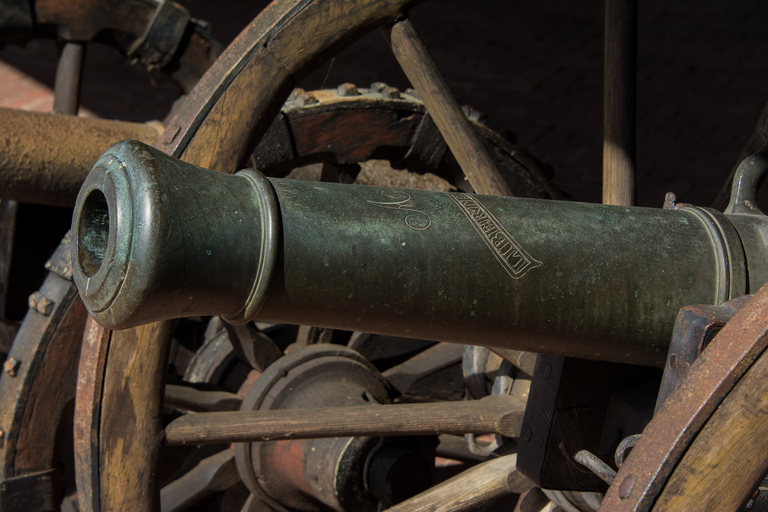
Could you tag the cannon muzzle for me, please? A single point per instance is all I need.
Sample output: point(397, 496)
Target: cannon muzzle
point(157, 238)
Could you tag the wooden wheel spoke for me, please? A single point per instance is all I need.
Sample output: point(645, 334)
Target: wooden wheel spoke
point(191, 398)
point(215, 473)
point(426, 363)
point(492, 415)
point(422, 72)
point(471, 489)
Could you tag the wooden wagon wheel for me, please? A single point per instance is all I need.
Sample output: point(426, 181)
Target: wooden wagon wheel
point(34, 409)
point(37, 386)
point(705, 448)
point(217, 127)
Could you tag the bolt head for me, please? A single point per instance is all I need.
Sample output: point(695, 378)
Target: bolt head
point(627, 486)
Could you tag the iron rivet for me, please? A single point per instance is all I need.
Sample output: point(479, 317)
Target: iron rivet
point(547, 371)
point(626, 487)
point(347, 89)
point(673, 361)
point(391, 92)
point(11, 366)
point(173, 131)
point(41, 303)
point(527, 434)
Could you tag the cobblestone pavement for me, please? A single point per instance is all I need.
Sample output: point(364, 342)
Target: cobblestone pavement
point(535, 69)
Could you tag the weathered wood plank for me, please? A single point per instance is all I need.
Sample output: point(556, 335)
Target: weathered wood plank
point(131, 416)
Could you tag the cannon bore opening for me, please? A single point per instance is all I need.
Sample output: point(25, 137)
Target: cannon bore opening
point(93, 233)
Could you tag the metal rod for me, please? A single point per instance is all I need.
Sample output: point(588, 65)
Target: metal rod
point(433, 90)
point(491, 415)
point(69, 74)
point(619, 102)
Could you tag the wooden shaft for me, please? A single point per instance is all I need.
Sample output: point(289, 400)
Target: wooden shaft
point(471, 489)
point(619, 102)
point(69, 73)
point(492, 415)
point(197, 400)
point(422, 72)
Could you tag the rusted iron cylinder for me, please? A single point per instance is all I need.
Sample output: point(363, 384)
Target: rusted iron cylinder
point(44, 158)
point(158, 238)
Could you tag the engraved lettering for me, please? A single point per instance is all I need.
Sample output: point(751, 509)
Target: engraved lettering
point(399, 200)
point(513, 258)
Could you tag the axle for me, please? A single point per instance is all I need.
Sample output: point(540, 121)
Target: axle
point(46, 157)
point(157, 238)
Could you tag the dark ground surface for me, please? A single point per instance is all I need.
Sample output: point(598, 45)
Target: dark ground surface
point(535, 69)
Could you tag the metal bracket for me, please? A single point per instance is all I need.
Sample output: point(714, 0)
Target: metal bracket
point(748, 178)
point(157, 46)
point(695, 327)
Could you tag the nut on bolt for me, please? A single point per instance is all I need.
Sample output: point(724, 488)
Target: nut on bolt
point(41, 303)
point(378, 86)
point(391, 92)
point(347, 89)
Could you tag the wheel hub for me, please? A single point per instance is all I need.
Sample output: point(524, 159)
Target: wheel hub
point(343, 474)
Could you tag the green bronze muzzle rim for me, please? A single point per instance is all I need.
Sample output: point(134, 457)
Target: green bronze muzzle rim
point(267, 252)
point(103, 236)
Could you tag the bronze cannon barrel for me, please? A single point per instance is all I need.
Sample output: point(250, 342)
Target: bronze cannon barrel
point(44, 158)
point(157, 238)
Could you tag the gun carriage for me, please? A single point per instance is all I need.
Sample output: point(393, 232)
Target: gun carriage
point(647, 336)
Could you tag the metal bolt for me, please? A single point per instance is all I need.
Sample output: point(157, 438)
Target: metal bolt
point(391, 92)
point(412, 92)
point(295, 93)
point(472, 114)
point(41, 303)
point(626, 487)
point(378, 86)
point(673, 361)
point(669, 201)
point(306, 99)
point(547, 372)
point(347, 89)
point(11, 366)
point(527, 434)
